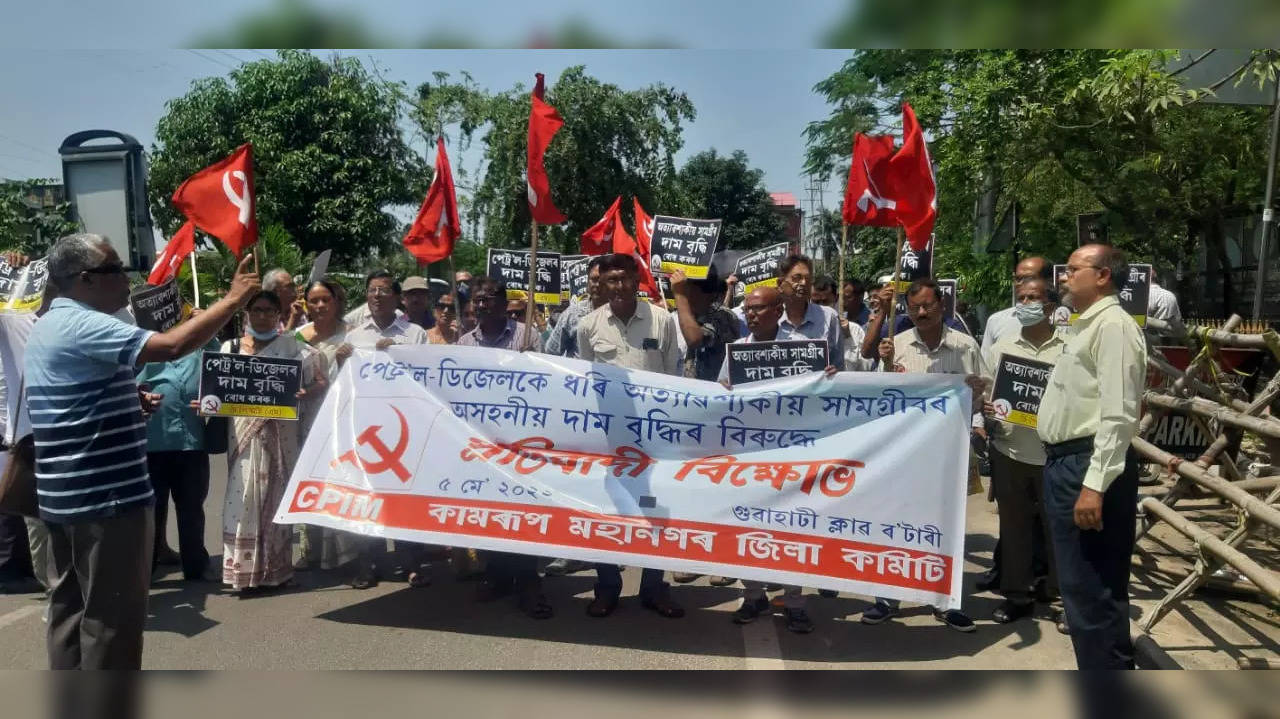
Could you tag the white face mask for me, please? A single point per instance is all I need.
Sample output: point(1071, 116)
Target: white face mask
point(1029, 314)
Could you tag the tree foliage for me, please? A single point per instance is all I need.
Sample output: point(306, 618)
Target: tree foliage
point(711, 185)
point(27, 224)
point(1062, 132)
point(614, 142)
point(329, 157)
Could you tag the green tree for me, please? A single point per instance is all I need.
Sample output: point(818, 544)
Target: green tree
point(1060, 132)
point(28, 221)
point(329, 157)
point(614, 142)
point(713, 186)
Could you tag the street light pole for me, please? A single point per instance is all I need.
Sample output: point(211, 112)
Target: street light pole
point(1267, 212)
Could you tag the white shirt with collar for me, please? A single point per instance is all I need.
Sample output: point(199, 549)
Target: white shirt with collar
point(366, 334)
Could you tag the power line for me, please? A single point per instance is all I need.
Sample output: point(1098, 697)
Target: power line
point(199, 54)
point(234, 59)
point(24, 144)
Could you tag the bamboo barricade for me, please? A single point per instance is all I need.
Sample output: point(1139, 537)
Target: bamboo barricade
point(1198, 394)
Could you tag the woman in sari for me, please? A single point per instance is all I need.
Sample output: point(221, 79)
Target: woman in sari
point(327, 334)
point(258, 553)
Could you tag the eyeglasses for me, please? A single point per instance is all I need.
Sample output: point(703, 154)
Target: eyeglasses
point(483, 299)
point(115, 268)
point(263, 311)
point(756, 309)
point(928, 307)
point(444, 306)
point(379, 292)
point(1072, 270)
point(799, 279)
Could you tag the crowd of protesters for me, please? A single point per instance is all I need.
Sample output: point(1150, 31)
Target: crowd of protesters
point(102, 415)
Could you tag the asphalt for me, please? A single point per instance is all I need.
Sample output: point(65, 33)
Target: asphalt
point(326, 625)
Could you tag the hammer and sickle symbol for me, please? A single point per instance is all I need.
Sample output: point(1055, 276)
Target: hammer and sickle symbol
point(389, 459)
point(240, 200)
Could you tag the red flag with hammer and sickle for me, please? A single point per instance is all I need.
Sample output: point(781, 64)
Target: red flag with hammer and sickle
point(599, 238)
point(436, 227)
point(180, 245)
point(219, 200)
point(544, 122)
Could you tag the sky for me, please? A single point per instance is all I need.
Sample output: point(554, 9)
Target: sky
point(758, 101)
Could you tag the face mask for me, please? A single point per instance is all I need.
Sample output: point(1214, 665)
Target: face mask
point(1029, 314)
point(263, 336)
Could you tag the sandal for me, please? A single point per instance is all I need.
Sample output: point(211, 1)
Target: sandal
point(534, 605)
point(601, 607)
point(363, 580)
point(419, 578)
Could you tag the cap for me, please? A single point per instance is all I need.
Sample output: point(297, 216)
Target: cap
point(414, 283)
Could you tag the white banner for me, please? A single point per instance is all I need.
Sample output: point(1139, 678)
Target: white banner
point(855, 483)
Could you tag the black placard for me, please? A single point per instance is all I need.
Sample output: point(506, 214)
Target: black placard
point(573, 277)
point(947, 288)
point(756, 361)
point(513, 267)
point(157, 308)
point(236, 385)
point(760, 268)
point(1179, 435)
point(685, 244)
point(915, 265)
point(22, 288)
point(1019, 385)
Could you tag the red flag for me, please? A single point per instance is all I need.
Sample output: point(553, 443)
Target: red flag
point(219, 199)
point(180, 245)
point(622, 241)
point(544, 122)
point(911, 175)
point(436, 228)
point(868, 196)
point(644, 232)
point(598, 239)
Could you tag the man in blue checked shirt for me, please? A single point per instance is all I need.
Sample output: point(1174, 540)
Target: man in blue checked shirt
point(91, 448)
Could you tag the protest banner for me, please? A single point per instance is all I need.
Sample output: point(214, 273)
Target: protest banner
point(760, 268)
point(755, 361)
point(948, 290)
point(157, 308)
point(1134, 294)
point(684, 244)
point(664, 286)
point(1019, 385)
point(914, 265)
point(513, 267)
point(805, 480)
point(236, 385)
point(573, 277)
point(22, 288)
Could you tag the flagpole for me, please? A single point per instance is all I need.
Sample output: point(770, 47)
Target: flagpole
point(195, 279)
point(893, 302)
point(453, 282)
point(533, 278)
point(844, 239)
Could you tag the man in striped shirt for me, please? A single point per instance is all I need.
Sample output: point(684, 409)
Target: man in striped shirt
point(90, 445)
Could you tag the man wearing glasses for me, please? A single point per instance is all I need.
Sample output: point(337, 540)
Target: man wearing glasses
point(1003, 323)
point(802, 318)
point(1088, 415)
point(91, 448)
point(931, 347)
point(384, 327)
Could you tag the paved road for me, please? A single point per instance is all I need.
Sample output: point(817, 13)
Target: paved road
point(326, 625)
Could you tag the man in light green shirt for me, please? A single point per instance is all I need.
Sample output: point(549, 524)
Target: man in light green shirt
point(1088, 415)
point(1017, 456)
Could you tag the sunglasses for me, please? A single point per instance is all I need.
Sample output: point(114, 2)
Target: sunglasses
point(444, 305)
point(115, 268)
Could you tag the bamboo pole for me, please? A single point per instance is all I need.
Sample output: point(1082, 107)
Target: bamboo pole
point(1253, 506)
point(893, 299)
point(533, 278)
point(844, 241)
point(1213, 410)
point(195, 280)
point(457, 300)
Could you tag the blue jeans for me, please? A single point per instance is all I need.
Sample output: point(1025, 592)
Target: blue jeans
point(609, 582)
point(1093, 565)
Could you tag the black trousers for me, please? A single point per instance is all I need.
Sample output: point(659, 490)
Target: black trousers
point(1019, 489)
point(1093, 565)
point(15, 553)
point(509, 570)
point(99, 605)
point(184, 476)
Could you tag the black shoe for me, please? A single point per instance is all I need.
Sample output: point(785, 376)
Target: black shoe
point(989, 580)
point(1010, 611)
point(955, 619)
point(750, 610)
point(1060, 619)
point(167, 556)
point(798, 621)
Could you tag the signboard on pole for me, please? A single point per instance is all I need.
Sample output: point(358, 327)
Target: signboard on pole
point(1019, 385)
point(573, 277)
point(755, 361)
point(513, 267)
point(684, 244)
point(22, 288)
point(760, 268)
point(915, 265)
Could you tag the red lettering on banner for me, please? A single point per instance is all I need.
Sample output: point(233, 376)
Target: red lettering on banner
point(833, 476)
point(533, 453)
point(728, 545)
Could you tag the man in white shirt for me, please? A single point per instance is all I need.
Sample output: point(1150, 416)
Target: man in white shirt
point(1161, 303)
point(384, 326)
